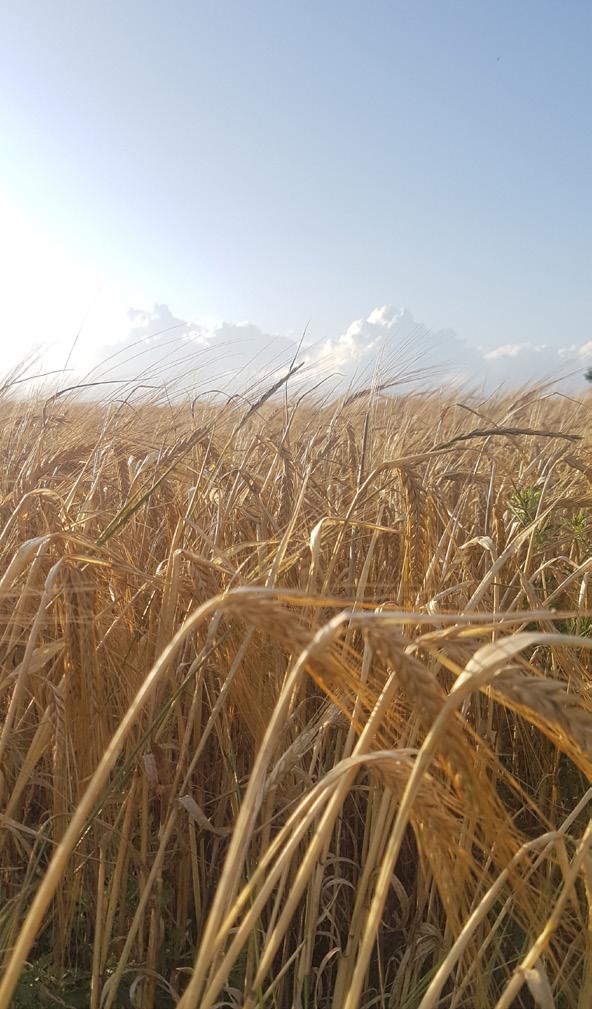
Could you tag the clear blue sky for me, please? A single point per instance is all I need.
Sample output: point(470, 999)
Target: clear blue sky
point(286, 161)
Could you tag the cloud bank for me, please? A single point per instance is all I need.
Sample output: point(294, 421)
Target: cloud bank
point(229, 357)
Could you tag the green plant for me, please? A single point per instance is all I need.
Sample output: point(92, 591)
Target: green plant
point(524, 503)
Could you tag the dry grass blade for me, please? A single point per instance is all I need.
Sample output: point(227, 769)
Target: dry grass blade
point(286, 717)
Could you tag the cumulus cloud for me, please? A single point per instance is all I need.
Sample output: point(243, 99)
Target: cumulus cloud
point(226, 357)
point(389, 340)
point(208, 355)
point(392, 339)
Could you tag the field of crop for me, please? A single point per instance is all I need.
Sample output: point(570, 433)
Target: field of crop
point(295, 703)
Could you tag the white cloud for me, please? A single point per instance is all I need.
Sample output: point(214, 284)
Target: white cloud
point(189, 356)
point(519, 363)
point(585, 350)
point(390, 338)
point(152, 346)
point(506, 350)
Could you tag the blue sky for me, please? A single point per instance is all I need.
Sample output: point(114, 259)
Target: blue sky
point(286, 163)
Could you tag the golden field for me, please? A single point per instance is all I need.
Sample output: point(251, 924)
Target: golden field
point(295, 702)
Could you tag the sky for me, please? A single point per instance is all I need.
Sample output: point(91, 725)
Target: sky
point(363, 171)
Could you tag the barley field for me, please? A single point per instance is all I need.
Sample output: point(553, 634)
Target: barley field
point(295, 702)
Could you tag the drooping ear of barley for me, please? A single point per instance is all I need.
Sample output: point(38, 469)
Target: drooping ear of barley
point(416, 534)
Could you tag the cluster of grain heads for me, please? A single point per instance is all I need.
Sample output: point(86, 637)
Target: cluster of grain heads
point(295, 703)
